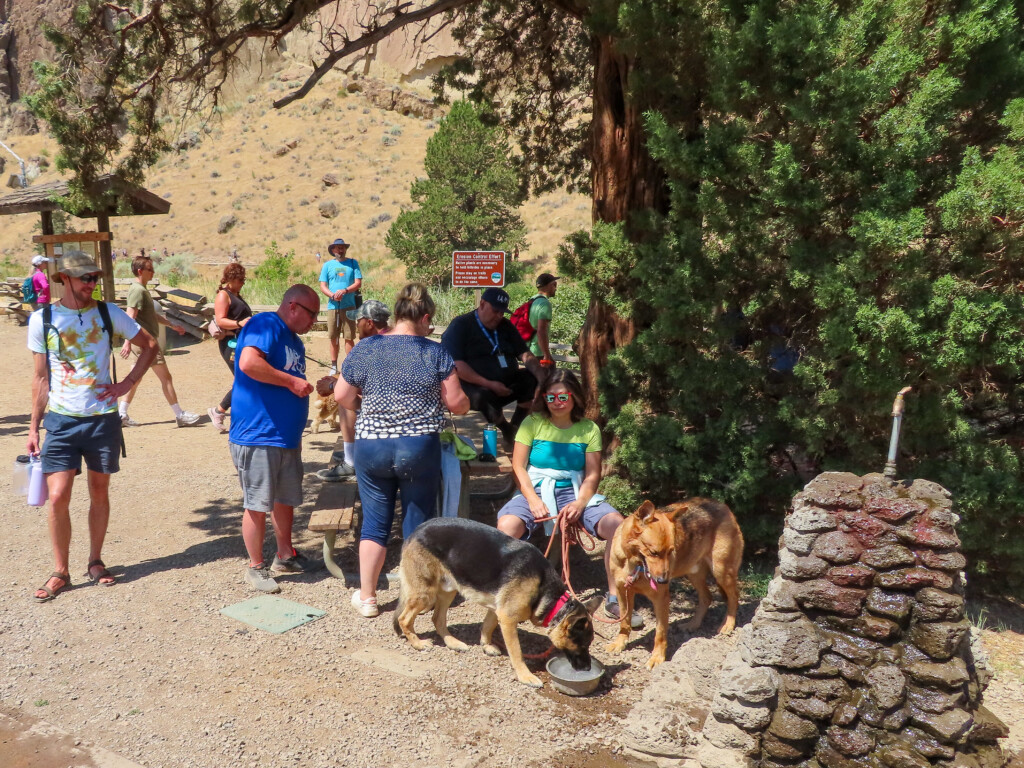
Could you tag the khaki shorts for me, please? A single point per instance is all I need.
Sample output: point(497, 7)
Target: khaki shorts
point(338, 324)
point(158, 360)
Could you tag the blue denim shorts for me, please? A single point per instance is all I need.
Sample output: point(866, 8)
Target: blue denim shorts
point(520, 507)
point(70, 438)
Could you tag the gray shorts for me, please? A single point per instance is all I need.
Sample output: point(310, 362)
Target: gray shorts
point(268, 475)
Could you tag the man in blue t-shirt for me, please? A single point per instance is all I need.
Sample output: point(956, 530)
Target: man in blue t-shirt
point(269, 406)
point(340, 278)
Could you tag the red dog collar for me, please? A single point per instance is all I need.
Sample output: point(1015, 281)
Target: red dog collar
point(559, 603)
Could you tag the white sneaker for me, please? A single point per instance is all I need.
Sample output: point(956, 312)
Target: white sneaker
point(128, 421)
point(217, 418)
point(333, 371)
point(259, 579)
point(187, 419)
point(367, 608)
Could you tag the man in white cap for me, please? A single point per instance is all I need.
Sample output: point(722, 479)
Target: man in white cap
point(340, 278)
point(71, 343)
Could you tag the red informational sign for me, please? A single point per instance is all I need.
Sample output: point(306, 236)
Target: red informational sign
point(478, 269)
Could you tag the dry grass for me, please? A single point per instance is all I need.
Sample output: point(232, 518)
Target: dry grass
point(374, 154)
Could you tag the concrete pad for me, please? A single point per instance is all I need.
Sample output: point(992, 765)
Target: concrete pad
point(30, 742)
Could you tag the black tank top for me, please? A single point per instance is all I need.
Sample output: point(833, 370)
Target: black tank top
point(238, 308)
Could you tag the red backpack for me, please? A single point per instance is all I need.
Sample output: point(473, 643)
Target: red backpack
point(521, 320)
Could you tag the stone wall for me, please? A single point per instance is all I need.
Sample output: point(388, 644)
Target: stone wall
point(860, 656)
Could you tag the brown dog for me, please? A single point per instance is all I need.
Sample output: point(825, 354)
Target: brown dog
point(325, 411)
point(689, 539)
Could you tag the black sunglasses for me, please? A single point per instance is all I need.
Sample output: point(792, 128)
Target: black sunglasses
point(311, 312)
point(90, 279)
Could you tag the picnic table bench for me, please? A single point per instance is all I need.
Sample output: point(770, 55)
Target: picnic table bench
point(335, 508)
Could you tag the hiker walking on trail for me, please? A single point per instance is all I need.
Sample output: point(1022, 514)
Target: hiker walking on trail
point(340, 279)
point(533, 319)
point(38, 285)
point(271, 403)
point(141, 309)
point(72, 343)
point(232, 312)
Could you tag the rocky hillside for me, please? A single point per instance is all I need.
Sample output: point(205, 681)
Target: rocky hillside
point(336, 164)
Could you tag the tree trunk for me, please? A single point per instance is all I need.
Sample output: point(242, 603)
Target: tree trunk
point(624, 179)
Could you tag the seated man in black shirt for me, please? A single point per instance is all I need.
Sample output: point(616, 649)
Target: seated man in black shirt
point(487, 350)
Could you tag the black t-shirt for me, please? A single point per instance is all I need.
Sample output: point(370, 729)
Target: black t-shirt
point(466, 340)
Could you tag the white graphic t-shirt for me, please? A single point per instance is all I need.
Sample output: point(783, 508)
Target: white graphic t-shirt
point(79, 356)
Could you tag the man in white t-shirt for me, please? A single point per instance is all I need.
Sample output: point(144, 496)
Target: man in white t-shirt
point(71, 372)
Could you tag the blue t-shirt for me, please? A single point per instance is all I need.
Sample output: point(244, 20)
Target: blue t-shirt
point(267, 414)
point(339, 275)
point(400, 377)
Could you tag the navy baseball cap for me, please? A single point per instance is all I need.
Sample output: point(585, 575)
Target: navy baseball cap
point(497, 298)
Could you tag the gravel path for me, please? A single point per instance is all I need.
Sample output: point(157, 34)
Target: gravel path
point(151, 670)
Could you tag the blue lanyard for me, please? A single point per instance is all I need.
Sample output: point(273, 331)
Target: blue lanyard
point(487, 333)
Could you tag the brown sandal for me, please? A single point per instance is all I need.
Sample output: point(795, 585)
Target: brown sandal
point(103, 574)
point(52, 593)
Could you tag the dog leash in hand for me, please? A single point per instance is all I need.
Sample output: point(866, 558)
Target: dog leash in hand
point(572, 533)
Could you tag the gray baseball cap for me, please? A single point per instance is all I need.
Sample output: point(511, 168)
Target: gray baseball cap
point(374, 310)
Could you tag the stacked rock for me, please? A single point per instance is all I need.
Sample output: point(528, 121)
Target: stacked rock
point(860, 655)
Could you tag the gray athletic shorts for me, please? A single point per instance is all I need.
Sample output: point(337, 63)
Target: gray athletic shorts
point(268, 475)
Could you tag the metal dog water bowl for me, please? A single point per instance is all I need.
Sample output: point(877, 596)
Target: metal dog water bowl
point(574, 682)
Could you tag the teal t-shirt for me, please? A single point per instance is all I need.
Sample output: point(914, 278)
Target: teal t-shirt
point(339, 275)
point(539, 310)
point(563, 449)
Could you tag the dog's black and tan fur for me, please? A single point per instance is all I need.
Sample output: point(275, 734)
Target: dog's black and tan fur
point(510, 578)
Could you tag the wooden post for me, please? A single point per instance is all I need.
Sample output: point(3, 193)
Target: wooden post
point(106, 262)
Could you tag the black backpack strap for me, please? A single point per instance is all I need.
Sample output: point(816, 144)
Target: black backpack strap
point(108, 326)
point(47, 325)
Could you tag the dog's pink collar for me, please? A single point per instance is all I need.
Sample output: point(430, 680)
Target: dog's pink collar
point(559, 603)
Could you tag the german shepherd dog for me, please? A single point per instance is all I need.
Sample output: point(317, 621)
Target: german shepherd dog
point(687, 539)
point(510, 578)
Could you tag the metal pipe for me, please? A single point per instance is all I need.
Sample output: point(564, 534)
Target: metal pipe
point(21, 164)
point(894, 441)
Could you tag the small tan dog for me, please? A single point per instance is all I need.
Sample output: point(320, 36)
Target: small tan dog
point(325, 411)
point(653, 546)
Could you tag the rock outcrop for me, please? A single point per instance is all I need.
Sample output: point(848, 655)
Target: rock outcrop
point(860, 656)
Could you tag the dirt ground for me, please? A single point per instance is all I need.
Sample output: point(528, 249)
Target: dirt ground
point(149, 669)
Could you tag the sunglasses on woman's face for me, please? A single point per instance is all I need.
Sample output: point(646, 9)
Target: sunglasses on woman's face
point(562, 398)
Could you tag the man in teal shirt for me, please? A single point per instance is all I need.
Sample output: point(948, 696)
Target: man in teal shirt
point(540, 315)
point(340, 278)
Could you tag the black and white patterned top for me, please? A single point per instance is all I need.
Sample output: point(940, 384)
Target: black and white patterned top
point(400, 377)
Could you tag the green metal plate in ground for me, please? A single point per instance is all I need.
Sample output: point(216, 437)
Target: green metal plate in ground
point(273, 614)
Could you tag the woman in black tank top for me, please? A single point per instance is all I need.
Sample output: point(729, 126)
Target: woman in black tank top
point(232, 312)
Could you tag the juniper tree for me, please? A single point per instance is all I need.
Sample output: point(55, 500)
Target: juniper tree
point(467, 201)
point(845, 184)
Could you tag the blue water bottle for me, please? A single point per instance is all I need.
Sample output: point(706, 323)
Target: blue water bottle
point(490, 441)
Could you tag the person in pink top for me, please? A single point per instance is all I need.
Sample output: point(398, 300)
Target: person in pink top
point(39, 280)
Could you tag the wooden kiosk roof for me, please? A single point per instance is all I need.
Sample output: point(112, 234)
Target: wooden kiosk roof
point(37, 199)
